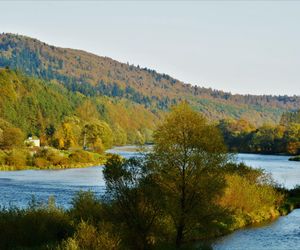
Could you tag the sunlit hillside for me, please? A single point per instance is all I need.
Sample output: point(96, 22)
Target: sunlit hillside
point(93, 76)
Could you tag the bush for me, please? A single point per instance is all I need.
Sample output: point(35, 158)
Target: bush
point(2, 157)
point(40, 162)
point(33, 227)
point(85, 207)
point(82, 156)
point(50, 157)
point(56, 158)
point(89, 237)
point(251, 201)
point(17, 158)
point(12, 137)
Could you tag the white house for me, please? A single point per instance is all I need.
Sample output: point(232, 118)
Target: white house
point(33, 141)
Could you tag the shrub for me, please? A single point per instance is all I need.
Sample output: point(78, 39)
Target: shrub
point(12, 137)
point(56, 158)
point(89, 237)
point(33, 227)
point(2, 157)
point(250, 201)
point(40, 162)
point(85, 207)
point(17, 158)
point(82, 156)
point(52, 156)
point(69, 244)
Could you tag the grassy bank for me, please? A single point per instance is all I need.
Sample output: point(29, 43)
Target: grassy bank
point(48, 158)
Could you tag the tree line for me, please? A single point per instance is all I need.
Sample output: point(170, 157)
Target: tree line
point(284, 138)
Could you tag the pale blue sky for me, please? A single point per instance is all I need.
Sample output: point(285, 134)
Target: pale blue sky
point(242, 47)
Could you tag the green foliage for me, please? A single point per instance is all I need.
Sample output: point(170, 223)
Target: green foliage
point(32, 104)
point(87, 111)
point(251, 195)
point(49, 156)
point(86, 207)
point(268, 139)
point(59, 117)
point(290, 117)
point(187, 158)
point(135, 207)
point(186, 188)
point(82, 156)
point(178, 191)
point(2, 157)
point(11, 137)
point(33, 227)
point(89, 237)
point(17, 158)
point(119, 136)
point(41, 162)
point(98, 136)
point(94, 76)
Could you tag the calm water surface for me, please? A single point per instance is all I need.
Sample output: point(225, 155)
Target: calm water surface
point(282, 234)
point(17, 188)
point(285, 172)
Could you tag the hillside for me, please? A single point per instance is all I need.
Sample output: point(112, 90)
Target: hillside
point(37, 106)
point(93, 76)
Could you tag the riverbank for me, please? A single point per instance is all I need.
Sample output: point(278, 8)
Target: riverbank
point(252, 221)
point(48, 158)
point(52, 167)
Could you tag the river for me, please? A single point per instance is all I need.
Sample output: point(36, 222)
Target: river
point(17, 188)
point(282, 234)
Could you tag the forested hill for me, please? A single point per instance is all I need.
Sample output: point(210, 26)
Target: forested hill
point(47, 109)
point(94, 75)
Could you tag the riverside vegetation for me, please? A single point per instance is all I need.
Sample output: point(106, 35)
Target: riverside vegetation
point(72, 99)
point(187, 189)
point(281, 138)
point(66, 121)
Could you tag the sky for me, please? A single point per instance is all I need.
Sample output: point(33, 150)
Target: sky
point(240, 47)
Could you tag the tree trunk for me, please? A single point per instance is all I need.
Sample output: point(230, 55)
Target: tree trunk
point(179, 236)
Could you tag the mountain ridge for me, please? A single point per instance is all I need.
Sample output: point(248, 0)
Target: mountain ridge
point(93, 75)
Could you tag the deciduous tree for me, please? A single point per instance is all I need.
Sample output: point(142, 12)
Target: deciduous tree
point(186, 160)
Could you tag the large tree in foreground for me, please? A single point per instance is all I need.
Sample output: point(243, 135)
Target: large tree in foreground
point(186, 161)
point(134, 207)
